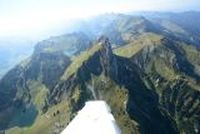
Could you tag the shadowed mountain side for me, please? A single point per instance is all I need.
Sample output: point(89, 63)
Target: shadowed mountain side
point(142, 104)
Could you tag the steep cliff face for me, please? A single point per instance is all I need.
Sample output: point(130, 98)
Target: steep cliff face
point(47, 67)
point(102, 61)
point(151, 82)
point(154, 89)
point(104, 74)
point(171, 74)
point(19, 87)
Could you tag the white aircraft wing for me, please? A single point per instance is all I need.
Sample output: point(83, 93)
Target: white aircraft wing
point(94, 118)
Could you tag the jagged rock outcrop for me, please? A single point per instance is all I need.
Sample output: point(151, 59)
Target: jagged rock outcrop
point(122, 72)
point(108, 60)
point(153, 87)
point(102, 61)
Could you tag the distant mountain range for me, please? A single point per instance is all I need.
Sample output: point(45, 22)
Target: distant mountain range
point(145, 66)
point(13, 51)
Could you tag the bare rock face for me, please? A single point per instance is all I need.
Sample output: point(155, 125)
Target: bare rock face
point(107, 58)
point(122, 72)
point(139, 90)
point(103, 61)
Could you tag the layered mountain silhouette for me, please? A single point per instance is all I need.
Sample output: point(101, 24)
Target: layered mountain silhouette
point(146, 71)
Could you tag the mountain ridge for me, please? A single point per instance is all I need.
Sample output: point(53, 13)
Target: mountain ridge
point(151, 83)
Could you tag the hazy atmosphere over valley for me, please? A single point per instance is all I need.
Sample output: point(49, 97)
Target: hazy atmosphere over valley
point(104, 67)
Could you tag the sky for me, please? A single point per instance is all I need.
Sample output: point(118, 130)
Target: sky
point(35, 17)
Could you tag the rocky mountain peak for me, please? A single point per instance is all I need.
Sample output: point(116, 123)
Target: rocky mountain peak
point(105, 42)
point(107, 58)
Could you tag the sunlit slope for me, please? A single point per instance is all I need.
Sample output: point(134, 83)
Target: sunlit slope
point(150, 82)
point(69, 44)
point(152, 79)
point(173, 73)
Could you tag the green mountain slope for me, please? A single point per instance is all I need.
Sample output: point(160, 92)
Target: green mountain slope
point(70, 44)
point(119, 28)
point(24, 88)
point(174, 75)
point(181, 26)
point(151, 82)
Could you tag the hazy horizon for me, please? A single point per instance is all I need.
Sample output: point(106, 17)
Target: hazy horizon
point(104, 66)
point(37, 18)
